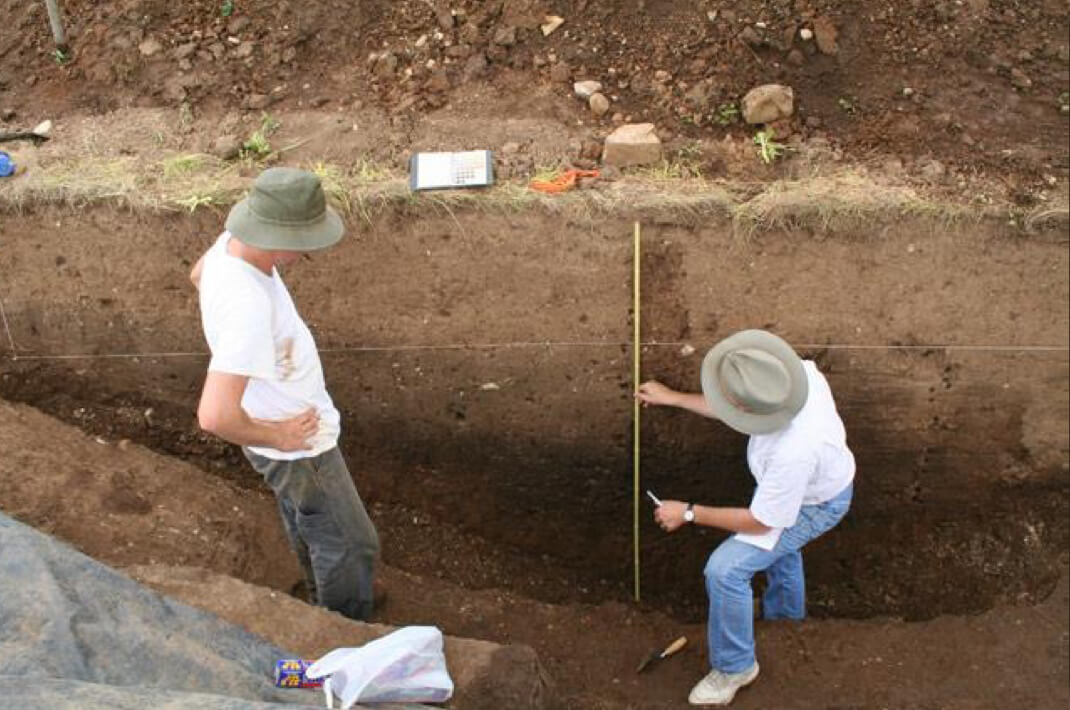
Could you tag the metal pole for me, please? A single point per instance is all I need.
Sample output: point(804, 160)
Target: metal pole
point(55, 19)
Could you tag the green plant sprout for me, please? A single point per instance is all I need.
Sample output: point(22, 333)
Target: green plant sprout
point(727, 114)
point(768, 149)
point(258, 146)
point(227, 8)
point(61, 56)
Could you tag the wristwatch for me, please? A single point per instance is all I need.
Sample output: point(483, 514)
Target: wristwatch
point(689, 514)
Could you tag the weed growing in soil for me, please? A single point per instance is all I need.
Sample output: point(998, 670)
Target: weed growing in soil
point(684, 165)
point(848, 104)
point(182, 165)
point(258, 146)
point(768, 149)
point(227, 8)
point(727, 114)
point(61, 56)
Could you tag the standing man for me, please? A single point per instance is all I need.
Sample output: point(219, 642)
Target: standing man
point(755, 383)
point(265, 389)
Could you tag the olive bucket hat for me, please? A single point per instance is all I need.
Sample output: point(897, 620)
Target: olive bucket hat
point(285, 210)
point(754, 382)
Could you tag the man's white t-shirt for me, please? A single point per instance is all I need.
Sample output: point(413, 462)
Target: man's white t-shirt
point(253, 329)
point(805, 463)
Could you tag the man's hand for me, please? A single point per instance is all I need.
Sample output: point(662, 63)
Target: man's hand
point(653, 392)
point(294, 434)
point(670, 514)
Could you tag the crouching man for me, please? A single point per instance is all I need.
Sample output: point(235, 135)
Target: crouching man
point(755, 383)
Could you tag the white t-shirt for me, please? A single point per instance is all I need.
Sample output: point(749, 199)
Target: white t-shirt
point(253, 329)
point(805, 463)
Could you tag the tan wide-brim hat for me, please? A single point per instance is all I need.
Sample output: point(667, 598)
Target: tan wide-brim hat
point(285, 210)
point(754, 382)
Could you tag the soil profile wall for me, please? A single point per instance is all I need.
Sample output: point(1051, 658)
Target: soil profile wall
point(962, 490)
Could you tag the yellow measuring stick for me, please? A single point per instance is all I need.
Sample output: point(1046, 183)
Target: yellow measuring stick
point(635, 407)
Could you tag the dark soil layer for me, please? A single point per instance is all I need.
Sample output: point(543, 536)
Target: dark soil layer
point(523, 453)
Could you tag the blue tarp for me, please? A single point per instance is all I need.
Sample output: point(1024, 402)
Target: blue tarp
point(77, 634)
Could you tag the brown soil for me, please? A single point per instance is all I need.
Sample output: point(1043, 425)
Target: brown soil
point(985, 79)
point(500, 476)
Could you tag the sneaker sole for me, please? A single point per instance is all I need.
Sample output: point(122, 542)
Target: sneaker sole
point(732, 697)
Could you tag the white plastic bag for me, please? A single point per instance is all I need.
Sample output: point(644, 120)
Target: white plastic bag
point(405, 666)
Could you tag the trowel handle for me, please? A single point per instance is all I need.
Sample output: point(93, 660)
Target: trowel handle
point(674, 647)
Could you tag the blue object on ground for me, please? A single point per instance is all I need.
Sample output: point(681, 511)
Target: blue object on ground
point(7, 165)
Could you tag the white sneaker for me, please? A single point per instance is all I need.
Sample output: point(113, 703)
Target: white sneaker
point(718, 688)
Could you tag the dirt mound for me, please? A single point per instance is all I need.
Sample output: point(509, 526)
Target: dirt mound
point(487, 676)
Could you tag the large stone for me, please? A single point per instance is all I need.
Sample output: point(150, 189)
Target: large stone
point(149, 47)
point(586, 89)
point(632, 144)
point(768, 103)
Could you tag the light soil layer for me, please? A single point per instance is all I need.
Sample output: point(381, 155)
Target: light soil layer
point(962, 490)
point(179, 539)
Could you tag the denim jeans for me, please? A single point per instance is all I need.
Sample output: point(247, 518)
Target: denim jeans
point(328, 528)
point(730, 628)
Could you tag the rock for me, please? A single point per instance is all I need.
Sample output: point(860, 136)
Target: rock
point(444, 18)
point(256, 102)
point(813, 122)
point(458, 51)
point(796, 58)
point(687, 350)
point(551, 24)
point(184, 51)
point(599, 104)
point(591, 149)
point(43, 129)
point(768, 103)
point(933, 169)
point(751, 37)
point(662, 77)
point(245, 49)
point(560, 73)
point(825, 34)
point(696, 67)
point(439, 81)
point(586, 89)
point(510, 148)
point(698, 96)
point(505, 37)
point(319, 101)
point(237, 25)
point(806, 34)
point(1019, 79)
point(386, 65)
point(475, 67)
point(469, 33)
point(149, 47)
point(7, 114)
point(226, 147)
point(632, 144)
point(185, 64)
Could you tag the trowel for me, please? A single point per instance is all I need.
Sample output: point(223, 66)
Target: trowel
point(658, 655)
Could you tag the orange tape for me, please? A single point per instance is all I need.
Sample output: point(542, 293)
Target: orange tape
point(563, 182)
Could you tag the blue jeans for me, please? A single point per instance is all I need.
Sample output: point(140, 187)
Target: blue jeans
point(327, 527)
point(730, 628)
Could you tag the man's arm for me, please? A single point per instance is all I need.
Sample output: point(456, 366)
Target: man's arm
point(670, 515)
point(658, 394)
point(195, 272)
point(220, 412)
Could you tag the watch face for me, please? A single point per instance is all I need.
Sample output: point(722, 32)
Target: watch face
point(689, 515)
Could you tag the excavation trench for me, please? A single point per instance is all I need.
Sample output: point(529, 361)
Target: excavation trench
point(483, 367)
